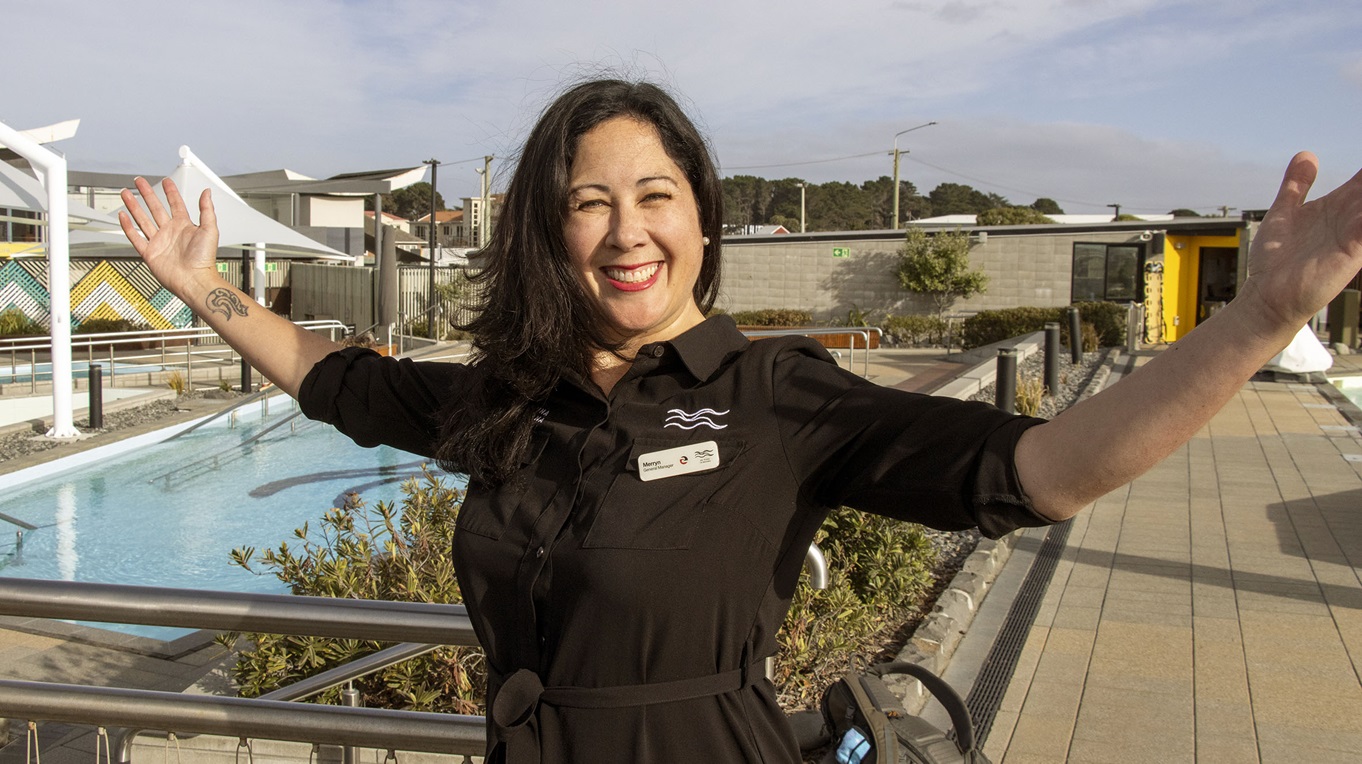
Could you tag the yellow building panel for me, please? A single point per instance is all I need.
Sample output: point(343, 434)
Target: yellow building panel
point(1181, 275)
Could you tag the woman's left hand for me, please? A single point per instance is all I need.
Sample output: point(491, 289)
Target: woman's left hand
point(1304, 253)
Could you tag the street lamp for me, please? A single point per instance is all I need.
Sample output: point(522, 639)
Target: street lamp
point(896, 168)
point(802, 186)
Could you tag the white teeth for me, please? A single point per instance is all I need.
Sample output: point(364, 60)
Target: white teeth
point(632, 275)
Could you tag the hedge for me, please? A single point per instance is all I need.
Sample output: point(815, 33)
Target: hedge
point(1108, 320)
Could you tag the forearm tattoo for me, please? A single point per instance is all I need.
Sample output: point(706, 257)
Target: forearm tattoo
point(225, 301)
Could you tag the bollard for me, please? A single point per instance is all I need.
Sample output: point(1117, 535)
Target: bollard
point(1133, 320)
point(1075, 336)
point(96, 396)
point(1052, 358)
point(1005, 388)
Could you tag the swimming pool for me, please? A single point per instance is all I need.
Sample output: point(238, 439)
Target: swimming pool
point(1351, 387)
point(169, 514)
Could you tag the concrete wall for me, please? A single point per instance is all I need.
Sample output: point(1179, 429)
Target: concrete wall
point(802, 272)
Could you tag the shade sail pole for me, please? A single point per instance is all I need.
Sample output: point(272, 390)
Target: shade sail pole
point(52, 166)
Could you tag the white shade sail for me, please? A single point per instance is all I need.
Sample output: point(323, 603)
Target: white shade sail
point(239, 224)
point(21, 191)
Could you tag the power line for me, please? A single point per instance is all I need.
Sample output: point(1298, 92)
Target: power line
point(800, 164)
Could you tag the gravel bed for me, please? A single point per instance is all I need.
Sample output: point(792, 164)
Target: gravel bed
point(24, 443)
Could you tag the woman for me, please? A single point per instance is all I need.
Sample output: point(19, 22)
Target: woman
point(645, 482)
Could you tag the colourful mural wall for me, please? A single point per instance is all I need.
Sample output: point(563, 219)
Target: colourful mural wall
point(105, 289)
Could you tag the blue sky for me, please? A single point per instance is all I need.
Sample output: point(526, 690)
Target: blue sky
point(1153, 104)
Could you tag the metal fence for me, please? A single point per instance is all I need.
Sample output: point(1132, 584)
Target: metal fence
point(271, 719)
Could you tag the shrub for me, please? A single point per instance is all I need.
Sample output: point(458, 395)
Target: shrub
point(16, 323)
point(919, 331)
point(104, 325)
point(382, 554)
point(879, 570)
point(773, 317)
point(1106, 319)
point(989, 326)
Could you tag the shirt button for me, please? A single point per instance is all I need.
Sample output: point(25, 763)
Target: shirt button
point(539, 553)
point(657, 351)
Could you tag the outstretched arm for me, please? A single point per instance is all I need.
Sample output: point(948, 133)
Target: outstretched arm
point(182, 256)
point(1302, 256)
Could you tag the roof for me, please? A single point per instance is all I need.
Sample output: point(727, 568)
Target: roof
point(442, 216)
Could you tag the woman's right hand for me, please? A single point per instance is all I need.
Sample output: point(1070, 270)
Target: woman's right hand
point(177, 251)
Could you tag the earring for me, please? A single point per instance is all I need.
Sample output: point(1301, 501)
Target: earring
point(704, 240)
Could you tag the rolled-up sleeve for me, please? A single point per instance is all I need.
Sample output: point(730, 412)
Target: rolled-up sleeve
point(945, 463)
point(377, 400)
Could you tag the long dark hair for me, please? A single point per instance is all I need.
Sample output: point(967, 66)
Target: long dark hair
point(535, 320)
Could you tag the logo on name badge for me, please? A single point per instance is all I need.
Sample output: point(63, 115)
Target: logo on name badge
point(683, 460)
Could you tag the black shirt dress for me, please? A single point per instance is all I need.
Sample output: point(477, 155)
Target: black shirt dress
point(628, 581)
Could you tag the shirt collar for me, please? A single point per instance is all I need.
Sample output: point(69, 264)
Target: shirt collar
point(704, 347)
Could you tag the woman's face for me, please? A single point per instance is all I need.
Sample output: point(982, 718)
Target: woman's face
point(633, 232)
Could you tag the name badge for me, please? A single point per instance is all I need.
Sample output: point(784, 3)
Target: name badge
point(684, 460)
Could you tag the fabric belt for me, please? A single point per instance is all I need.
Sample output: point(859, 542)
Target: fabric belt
point(522, 693)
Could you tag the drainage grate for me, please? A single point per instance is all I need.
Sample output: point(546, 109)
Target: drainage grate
point(996, 674)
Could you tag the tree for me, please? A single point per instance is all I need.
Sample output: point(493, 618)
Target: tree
point(1013, 216)
point(410, 202)
point(959, 199)
point(1183, 212)
point(938, 266)
point(1047, 205)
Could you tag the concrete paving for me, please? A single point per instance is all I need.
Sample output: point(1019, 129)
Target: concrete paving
point(1209, 611)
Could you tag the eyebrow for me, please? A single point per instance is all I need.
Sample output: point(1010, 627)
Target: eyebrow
point(640, 182)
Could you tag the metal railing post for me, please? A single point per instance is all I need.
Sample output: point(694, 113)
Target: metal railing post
point(1005, 386)
point(350, 698)
point(1052, 358)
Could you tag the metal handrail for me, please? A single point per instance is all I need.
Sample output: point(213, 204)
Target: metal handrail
point(244, 717)
point(349, 672)
point(106, 338)
point(253, 397)
point(863, 331)
point(377, 620)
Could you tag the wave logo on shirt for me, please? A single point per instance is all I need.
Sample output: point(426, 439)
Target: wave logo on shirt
point(702, 418)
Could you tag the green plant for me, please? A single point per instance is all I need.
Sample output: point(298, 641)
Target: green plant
point(384, 554)
point(224, 386)
point(1108, 319)
point(879, 570)
point(919, 331)
point(105, 325)
point(773, 317)
point(1012, 216)
point(1030, 391)
point(16, 323)
point(938, 267)
point(176, 381)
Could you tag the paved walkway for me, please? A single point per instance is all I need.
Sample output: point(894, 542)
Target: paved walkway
point(1209, 611)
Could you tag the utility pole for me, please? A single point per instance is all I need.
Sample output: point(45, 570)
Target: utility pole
point(1116, 215)
point(896, 153)
point(1225, 211)
point(430, 302)
point(802, 186)
point(485, 218)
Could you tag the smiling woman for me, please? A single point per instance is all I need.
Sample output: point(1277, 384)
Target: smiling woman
point(645, 482)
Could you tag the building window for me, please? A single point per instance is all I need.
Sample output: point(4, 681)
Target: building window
point(1106, 272)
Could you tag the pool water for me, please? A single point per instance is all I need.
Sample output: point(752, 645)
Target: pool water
point(170, 514)
point(1351, 387)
